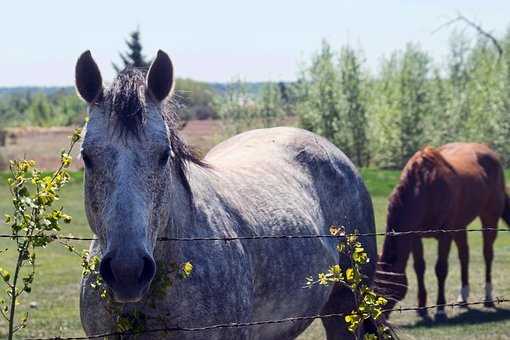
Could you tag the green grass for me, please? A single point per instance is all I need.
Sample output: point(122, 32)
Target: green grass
point(56, 291)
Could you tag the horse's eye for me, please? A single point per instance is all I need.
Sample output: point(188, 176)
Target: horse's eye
point(164, 157)
point(86, 160)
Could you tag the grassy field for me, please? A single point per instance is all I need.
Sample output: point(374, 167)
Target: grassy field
point(55, 294)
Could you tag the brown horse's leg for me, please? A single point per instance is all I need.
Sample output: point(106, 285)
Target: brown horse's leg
point(463, 250)
point(445, 242)
point(489, 236)
point(419, 268)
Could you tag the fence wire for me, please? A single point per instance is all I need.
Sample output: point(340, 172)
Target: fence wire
point(269, 322)
point(427, 232)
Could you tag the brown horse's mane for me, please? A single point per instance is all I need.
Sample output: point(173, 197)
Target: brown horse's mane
point(424, 167)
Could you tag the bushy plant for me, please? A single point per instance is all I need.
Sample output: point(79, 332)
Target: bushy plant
point(33, 224)
point(368, 305)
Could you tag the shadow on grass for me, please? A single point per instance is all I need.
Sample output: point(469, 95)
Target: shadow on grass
point(468, 317)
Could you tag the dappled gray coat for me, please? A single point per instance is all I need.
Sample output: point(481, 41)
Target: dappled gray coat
point(279, 181)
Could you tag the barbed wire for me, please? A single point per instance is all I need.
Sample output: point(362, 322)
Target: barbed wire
point(427, 232)
point(269, 322)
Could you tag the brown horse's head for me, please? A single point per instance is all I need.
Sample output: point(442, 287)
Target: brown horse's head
point(413, 205)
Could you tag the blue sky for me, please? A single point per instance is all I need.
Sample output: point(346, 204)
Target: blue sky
point(220, 40)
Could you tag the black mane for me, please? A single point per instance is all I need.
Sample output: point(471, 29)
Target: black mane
point(126, 101)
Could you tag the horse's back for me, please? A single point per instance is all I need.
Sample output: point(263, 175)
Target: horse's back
point(300, 149)
point(271, 145)
point(288, 181)
point(476, 164)
point(296, 152)
point(297, 170)
point(478, 179)
point(471, 157)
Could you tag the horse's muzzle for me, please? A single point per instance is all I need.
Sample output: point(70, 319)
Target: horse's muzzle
point(128, 274)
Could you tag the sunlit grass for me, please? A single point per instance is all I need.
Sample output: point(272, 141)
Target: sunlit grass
point(56, 290)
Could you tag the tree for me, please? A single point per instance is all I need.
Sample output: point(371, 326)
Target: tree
point(236, 109)
point(332, 101)
point(195, 99)
point(450, 105)
point(503, 131)
point(40, 112)
point(414, 100)
point(133, 57)
point(400, 107)
point(487, 92)
point(354, 91)
point(384, 115)
point(318, 108)
point(270, 106)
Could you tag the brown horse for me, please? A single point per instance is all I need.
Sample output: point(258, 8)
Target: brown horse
point(443, 188)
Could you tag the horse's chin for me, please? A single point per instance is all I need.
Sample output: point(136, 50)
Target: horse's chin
point(127, 296)
point(124, 299)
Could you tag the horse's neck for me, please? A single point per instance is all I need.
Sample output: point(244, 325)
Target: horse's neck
point(184, 206)
point(184, 214)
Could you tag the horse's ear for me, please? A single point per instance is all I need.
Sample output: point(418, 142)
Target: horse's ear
point(160, 78)
point(89, 83)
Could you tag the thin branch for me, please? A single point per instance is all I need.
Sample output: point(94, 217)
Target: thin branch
point(461, 18)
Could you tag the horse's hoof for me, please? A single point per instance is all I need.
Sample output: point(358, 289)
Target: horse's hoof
point(423, 313)
point(441, 316)
point(489, 304)
point(462, 303)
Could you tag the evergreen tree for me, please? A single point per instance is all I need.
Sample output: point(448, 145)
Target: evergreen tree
point(133, 57)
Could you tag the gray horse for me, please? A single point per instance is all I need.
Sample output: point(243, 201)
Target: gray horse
point(142, 182)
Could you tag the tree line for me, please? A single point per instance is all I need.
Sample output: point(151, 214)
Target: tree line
point(61, 107)
point(381, 118)
point(377, 117)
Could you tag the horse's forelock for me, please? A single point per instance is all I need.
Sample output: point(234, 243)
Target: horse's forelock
point(126, 102)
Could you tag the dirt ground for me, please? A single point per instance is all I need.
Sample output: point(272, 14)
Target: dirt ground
point(44, 144)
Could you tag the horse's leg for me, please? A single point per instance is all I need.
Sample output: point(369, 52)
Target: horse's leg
point(445, 242)
point(419, 268)
point(463, 250)
point(489, 236)
point(341, 301)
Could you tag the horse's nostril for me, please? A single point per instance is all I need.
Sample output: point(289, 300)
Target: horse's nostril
point(126, 275)
point(149, 269)
point(105, 269)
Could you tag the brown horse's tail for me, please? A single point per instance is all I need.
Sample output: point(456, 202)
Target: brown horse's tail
point(506, 211)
